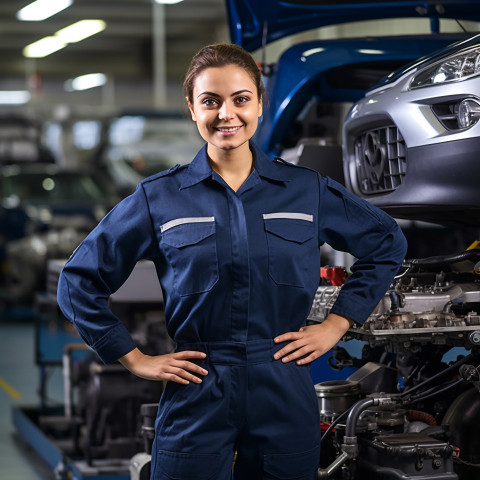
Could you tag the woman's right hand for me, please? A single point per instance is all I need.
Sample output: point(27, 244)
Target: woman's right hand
point(174, 367)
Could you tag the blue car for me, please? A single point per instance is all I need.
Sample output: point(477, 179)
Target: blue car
point(313, 83)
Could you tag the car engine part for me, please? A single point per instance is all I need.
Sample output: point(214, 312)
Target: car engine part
point(412, 408)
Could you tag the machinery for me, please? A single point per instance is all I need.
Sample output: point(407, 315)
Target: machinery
point(99, 427)
point(412, 408)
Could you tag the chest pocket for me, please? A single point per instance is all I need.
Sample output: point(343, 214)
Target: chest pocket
point(191, 249)
point(293, 254)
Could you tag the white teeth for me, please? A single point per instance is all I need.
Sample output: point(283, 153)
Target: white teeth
point(232, 129)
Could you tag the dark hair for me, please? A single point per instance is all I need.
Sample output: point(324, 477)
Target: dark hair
point(221, 55)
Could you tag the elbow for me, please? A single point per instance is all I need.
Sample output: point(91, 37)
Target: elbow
point(63, 297)
point(402, 244)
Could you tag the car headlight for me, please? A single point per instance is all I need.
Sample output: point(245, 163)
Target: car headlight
point(454, 68)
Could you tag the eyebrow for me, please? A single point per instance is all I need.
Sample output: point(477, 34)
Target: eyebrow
point(212, 94)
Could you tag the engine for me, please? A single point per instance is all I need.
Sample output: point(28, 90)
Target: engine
point(411, 409)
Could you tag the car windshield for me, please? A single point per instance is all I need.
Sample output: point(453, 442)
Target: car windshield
point(44, 187)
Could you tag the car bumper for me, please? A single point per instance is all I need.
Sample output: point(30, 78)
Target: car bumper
point(440, 184)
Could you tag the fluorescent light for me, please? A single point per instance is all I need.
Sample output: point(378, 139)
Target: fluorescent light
point(43, 47)
point(80, 30)
point(14, 97)
point(71, 34)
point(85, 82)
point(42, 9)
point(168, 2)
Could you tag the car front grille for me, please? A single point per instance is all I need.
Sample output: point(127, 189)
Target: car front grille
point(381, 160)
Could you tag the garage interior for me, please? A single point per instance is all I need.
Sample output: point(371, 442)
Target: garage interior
point(141, 54)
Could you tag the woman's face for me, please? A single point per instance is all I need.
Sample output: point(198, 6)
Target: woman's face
point(225, 106)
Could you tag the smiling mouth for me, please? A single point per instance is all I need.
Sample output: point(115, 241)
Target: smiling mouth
point(228, 129)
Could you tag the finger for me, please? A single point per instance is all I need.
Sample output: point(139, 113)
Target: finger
point(188, 354)
point(185, 376)
point(292, 346)
point(309, 359)
point(287, 337)
point(297, 353)
point(192, 367)
point(171, 377)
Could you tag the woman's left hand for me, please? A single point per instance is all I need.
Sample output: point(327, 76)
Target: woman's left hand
point(312, 341)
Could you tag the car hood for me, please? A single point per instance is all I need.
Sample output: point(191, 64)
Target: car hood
point(254, 23)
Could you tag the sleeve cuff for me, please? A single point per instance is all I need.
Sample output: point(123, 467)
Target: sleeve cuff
point(114, 344)
point(355, 313)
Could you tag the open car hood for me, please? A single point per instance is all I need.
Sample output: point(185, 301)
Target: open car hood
point(254, 23)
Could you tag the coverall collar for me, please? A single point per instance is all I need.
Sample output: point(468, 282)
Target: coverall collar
point(199, 169)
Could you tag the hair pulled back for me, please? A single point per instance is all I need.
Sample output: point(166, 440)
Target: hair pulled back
point(221, 55)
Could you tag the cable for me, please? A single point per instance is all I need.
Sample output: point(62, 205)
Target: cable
point(334, 423)
point(433, 392)
point(452, 367)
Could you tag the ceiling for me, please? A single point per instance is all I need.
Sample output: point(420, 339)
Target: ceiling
point(123, 50)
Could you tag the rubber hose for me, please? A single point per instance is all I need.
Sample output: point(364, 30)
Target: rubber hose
point(473, 255)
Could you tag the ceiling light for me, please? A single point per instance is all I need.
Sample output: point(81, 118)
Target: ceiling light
point(14, 97)
point(42, 9)
point(85, 82)
point(43, 47)
point(71, 34)
point(168, 2)
point(80, 30)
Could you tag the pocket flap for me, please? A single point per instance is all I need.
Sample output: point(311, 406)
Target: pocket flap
point(299, 228)
point(184, 234)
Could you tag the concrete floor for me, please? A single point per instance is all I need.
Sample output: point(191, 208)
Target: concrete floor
point(19, 383)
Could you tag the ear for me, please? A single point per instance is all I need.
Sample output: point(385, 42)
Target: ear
point(260, 108)
point(190, 107)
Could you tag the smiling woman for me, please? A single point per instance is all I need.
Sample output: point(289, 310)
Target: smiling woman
point(226, 113)
point(227, 117)
point(235, 240)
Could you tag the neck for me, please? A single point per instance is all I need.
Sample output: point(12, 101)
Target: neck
point(234, 166)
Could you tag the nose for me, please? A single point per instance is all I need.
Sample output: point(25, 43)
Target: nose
point(226, 112)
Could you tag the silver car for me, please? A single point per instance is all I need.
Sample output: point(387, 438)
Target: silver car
point(411, 145)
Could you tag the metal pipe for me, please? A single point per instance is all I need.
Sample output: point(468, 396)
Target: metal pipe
point(333, 467)
point(67, 375)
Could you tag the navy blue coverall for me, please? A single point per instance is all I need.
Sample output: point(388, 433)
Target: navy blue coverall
point(236, 270)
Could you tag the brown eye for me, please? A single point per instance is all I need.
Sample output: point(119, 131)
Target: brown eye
point(241, 99)
point(209, 102)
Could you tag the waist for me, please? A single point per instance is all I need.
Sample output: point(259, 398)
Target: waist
point(235, 353)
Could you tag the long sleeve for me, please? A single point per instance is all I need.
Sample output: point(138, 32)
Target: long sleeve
point(98, 267)
point(350, 224)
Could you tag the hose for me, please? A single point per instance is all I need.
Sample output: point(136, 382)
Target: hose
point(425, 417)
point(355, 412)
point(433, 392)
point(440, 260)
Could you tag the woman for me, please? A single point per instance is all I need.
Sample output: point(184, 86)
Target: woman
point(235, 239)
